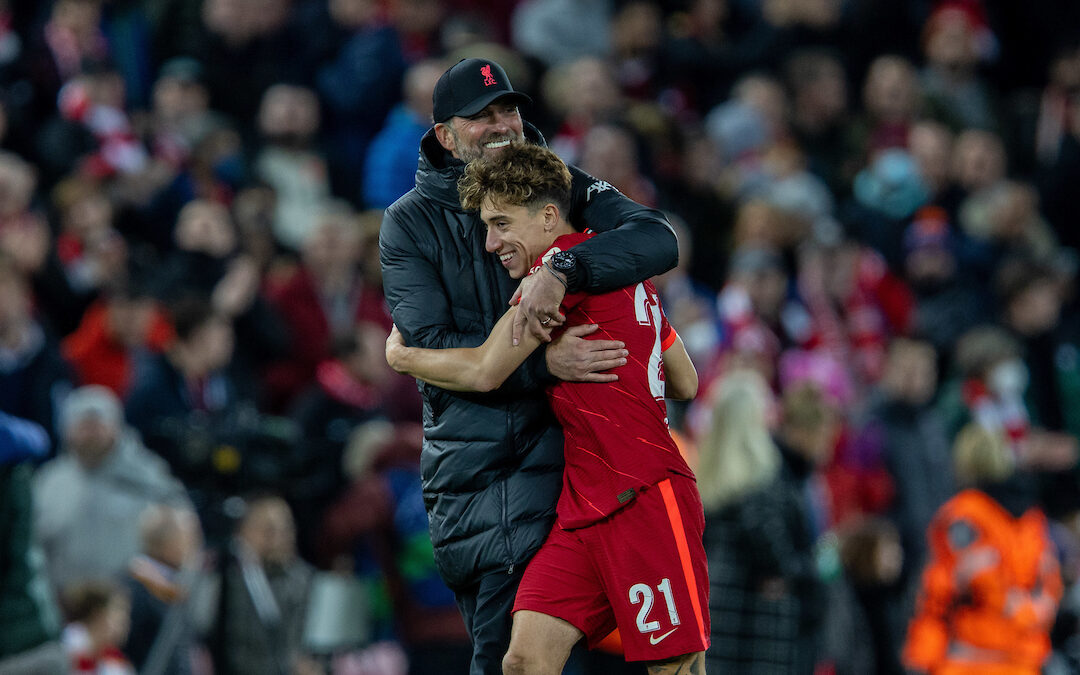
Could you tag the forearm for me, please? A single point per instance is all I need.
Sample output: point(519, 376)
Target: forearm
point(456, 369)
point(639, 249)
point(482, 368)
point(680, 376)
point(418, 295)
point(634, 242)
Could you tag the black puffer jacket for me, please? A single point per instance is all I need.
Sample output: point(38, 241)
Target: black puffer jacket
point(492, 463)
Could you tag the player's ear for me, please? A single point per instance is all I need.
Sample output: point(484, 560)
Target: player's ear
point(551, 217)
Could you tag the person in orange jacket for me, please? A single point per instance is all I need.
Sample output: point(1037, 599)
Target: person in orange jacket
point(990, 592)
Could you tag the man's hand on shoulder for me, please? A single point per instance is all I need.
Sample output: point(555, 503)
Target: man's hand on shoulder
point(538, 298)
point(572, 358)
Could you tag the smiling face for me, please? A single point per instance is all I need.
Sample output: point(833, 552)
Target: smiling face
point(483, 134)
point(519, 234)
point(520, 193)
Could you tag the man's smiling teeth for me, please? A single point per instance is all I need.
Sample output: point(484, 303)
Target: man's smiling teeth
point(497, 144)
point(504, 257)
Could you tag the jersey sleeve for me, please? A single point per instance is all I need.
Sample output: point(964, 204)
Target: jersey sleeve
point(636, 242)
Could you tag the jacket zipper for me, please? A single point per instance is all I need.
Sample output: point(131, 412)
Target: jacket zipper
point(506, 525)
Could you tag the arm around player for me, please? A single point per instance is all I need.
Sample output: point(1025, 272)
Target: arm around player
point(484, 368)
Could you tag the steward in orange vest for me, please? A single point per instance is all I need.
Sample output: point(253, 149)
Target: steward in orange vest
point(990, 593)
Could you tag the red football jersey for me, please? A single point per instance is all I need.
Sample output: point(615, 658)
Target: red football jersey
point(616, 434)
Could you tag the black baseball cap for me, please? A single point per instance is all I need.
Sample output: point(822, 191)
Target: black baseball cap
point(469, 86)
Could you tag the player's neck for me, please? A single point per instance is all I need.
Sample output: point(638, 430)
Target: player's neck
point(561, 228)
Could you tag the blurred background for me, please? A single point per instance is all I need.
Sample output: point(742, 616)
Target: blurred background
point(877, 215)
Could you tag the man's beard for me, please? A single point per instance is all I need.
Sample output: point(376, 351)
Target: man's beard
point(467, 153)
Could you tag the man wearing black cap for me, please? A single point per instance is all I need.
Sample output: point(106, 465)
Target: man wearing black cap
point(492, 463)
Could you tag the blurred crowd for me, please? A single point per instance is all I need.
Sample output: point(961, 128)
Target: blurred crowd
point(877, 282)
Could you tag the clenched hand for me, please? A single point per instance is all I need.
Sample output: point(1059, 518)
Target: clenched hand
point(538, 298)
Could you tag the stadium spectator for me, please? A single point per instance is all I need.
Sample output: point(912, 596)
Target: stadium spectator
point(163, 578)
point(246, 48)
point(559, 31)
point(358, 84)
point(390, 167)
point(948, 298)
point(820, 115)
point(353, 387)
point(1031, 299)
point(88, 499)
point(188, 381)
point(26, 239)
point(910, 438)
point(990, 391)
point(92, 252)
point(253, 210)
point(707, 212)
point(873, 560)
point(1056, 142)
point(636, 37)
point(613, 150)
point(855, 303)
point(956, 40)
point(578, 114)
point(931, 145)
point(990, 544)
point(181, 112)
point(891, 100)
point(323, 301)
point(979, 160)
point(380, 527)
point(99, 618)
point(115, 332)
point(260, 631)
point(29, 618)
point(60, 46)
point(288, 162)
point(687, 302)
point(761, 568)
point(210, 264)
point(806, 435)
point(33, 375)
point(758, 317)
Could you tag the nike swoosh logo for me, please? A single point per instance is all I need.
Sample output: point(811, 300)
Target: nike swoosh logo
point(655, 640)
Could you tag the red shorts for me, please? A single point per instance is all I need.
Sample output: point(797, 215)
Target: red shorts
point(641, 569)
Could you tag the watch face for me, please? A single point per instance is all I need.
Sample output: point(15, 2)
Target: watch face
point(563, 260)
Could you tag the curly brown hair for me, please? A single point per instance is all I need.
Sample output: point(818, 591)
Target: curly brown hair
point(521, 175)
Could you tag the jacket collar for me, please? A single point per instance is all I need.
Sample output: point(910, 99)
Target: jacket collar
point(438, 171)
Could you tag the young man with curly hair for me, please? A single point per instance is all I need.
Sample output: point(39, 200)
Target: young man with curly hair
point(626, 548)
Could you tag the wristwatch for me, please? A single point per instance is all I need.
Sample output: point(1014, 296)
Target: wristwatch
point(566, 263)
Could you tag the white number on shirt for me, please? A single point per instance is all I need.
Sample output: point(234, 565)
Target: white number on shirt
point(647, 311)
